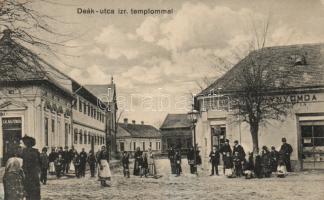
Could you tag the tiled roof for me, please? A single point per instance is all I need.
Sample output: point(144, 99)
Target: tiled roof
point(138, 130)
point(19, 63)
point(176, 121)
point(102, 91)
point(282, 59)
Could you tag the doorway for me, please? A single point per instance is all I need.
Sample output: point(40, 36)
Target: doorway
point(312, 144)
point(11, 129)
point(218, 136)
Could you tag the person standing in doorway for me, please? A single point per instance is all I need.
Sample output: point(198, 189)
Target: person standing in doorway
point(31, 167)
point(225, 150)
point(214, 160)
point(83, 162)
point(285, 153)
point(44, 165)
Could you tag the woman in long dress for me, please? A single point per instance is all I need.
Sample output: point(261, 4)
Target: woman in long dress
point(104, 169)
point(31, 167)
point(13, 180)
point(137, 156)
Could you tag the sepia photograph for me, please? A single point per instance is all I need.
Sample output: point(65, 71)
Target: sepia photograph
point(162, 99)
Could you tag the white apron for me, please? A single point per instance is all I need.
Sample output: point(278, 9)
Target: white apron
point(72, 168)
point(104, 170)
point(51, 167)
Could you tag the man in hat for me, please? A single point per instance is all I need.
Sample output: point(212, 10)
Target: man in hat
point(225, 151)
point(285, 152)
point(31, 167)
point(240, 150)
point(214, 160)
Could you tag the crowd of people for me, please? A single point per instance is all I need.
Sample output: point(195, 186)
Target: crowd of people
point(27, 168)
point(235, 161)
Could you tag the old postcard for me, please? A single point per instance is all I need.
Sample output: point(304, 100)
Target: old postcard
point(161, 99)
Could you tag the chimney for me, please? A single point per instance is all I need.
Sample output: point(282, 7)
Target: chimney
point(142, 122)
point(126, 121)
point(133, 121)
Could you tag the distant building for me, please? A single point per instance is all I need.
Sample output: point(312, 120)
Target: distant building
point(132, 135)
point(108, 96)
point(40, 101)
point(176, 132)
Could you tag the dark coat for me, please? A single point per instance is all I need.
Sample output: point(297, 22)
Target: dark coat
point(240, 150)
point(266, 163)
point(285, 151)
point(274, 156)
point(171, 154)
point(92, 159)
point(13, 185)
point(228, 162)
point(66, 156)
point(44, 161)
point(225, 149)
point(125, 161)
point(83, 157)
point(214, 157)
point(52, 156)
point(31, 167)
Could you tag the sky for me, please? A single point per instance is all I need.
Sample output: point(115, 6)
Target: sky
point(159, 61)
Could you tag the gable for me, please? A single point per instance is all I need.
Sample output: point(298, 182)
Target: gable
point(9, 105)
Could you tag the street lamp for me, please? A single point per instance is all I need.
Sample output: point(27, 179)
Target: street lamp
point(192, 116)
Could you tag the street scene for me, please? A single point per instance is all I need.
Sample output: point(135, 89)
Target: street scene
point(164, 99)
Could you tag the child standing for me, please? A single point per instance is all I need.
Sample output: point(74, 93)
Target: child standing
point(228, 165)
point(125, 162)
point(237, 165)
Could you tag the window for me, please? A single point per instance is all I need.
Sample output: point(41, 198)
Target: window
point(53, 125)
point(80, 105)
point(85, 137)
point(143, 146)
point(98, 115)
point(151, 145)
point(89, 112)
point(134, 146)
point(75, 136)
point(46, 130)
point(121, 146)
point(89, 138)
point(156, 146)
point(85, 108)
point(91, 109)
point(80, 141)
point(94, 113)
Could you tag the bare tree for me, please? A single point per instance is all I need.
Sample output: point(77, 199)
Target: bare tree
point(257, 83)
